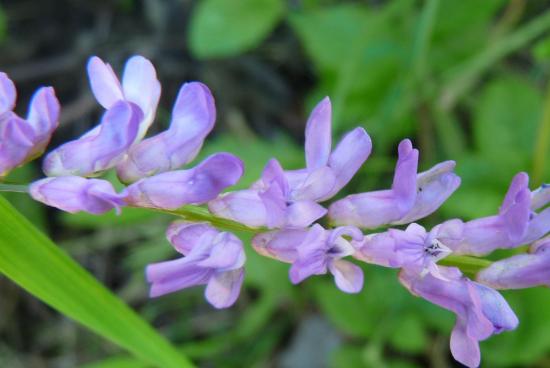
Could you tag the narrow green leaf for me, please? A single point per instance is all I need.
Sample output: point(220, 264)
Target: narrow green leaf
point(221, 28)
point(34, 262)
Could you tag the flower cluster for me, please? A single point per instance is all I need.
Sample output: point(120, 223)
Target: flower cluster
point(283, 207)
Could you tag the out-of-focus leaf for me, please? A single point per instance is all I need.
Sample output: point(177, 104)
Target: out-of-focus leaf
point(3, 25)
point(531, 340)
point(541, 51)
point(222, 28)
point(411, 336)
point(117, 362)
point(347, 356)
point(31, 260)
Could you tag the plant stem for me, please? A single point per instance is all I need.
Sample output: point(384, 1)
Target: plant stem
point(466, 264)
point(542, 142)
point(18, 188)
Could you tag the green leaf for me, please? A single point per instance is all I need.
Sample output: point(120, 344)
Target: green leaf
point(411, 335)
point(31, 260)
point(221, 28)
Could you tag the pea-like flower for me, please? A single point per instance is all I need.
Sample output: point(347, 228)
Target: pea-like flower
point(74, 194)
point(480, 311)
point(268, 203)
point(131, 108)
point(411, 197)
point(283, 199)
point(93, 153)
point(413, 248)
point(517, 222)
point(212, 258)
point(173, 189)
point(520, 271)
point(193, 117)
point(22, 140)
point(315, 251)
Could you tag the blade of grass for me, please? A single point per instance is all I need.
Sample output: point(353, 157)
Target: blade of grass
point(35, 263)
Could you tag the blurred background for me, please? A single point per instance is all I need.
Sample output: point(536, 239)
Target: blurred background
point(464, 79)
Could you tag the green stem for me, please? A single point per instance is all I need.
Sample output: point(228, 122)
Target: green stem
point(18, 188)
point(542, 142)
point(467, 264)
point(465, 76)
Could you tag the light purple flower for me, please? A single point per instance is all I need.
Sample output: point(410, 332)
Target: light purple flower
point(23, 140)
point(74, 194)
point(480, 311)
point(315, 251)
point(267, 203)
point(173, 189)
point(212, 258)
point(412, 196)
point(140, 86)
point(288, 199)
point(193, 118)
point(412, 248)
point(517, 222)
point(327, 172)
point(102, 150)
point(520, 271)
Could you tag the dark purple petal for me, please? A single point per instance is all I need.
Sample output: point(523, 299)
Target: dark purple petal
point(193, 118)
point(319, 135)
point(74, 194)
point(404, 179)
point(92, 154)
point(199, 185)
point(15, 142)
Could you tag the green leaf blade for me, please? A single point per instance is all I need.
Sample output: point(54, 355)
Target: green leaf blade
point(35, 263)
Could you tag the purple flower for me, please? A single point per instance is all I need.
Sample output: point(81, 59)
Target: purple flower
point(193, 118)
point(517, 222)
point(480, 311)
point(413, 248)
point(327, 172)
point(412, 196)
point(173, 189)
point(23, 140)
point(211, 258)
point(74, 194)
point(267, 203)
point(288, 199)
point(100, 149)
point(520, 271)
point(315, 252)
point(140, 86)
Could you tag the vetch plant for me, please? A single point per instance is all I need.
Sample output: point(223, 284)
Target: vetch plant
point(282, 208)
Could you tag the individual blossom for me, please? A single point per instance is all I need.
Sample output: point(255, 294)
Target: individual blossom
point(411, 197)
point(267, 203)
point(198, 185)
point(315, 251)
point(520, 271)
point(413, 248)
point(289, 198)
point(193, 117)
point(480, 311)
point(516, 223)
point(130, 110)
point(139, 86)
point(93, 153)
point(211, 258)
point(22, 140)
point(74, 194)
